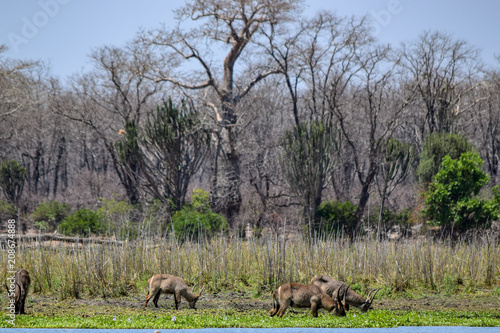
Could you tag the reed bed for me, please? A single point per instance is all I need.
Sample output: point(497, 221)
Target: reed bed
point(258, 265)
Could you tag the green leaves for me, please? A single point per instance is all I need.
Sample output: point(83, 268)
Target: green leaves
point(436, 146)
point(226, 318)
point(12, 176)
point(309, 156)
point(83, 222)
point(451, 200)
point(197, 219)
point(175, 144)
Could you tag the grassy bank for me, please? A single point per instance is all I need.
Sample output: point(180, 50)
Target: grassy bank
point(109, 274)
point(230, 310)
point(202, 319)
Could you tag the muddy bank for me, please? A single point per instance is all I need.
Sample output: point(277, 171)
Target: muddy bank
point(238, 302)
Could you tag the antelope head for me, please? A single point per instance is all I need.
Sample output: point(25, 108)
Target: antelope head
point(366, 305)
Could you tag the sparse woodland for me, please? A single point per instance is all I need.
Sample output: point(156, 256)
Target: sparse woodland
point(272, 114)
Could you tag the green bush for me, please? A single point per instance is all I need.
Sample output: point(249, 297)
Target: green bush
point(196, 219)
point(116, 218)
point(50, 213)
point(390, 217)
point(451, 201)
point(335, 217)
point(12, 178)
point(83, 222)
point(7, 210)
point(435, 147)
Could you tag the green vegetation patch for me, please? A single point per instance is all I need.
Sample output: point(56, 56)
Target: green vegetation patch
point(223, 318)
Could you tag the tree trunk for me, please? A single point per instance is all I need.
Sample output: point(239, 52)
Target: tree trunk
point(364, 196)
point(226, 178)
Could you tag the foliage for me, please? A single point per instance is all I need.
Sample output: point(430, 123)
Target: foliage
point(7, 210)
point(176, 144)
point(197, 220)
point(336, 217)
point(83, 222)
point(12, 177)
point(309, 155)
point(129, 155)
point(120, 317)
point(390, 217)
point(116, 217)
point(435, 147)
point(51, 212)
point(452, 202)
point(398, 160)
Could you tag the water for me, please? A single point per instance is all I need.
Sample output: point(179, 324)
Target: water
point(403, 329)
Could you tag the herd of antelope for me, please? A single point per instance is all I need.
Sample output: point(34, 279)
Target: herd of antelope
point(323, 292)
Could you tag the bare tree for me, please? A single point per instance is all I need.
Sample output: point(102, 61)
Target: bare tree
point(111, 101)
point(228, 26)
point(329, 53)
point(483, 124)
point(16, 82)
point(438, 69)
point(370, 118)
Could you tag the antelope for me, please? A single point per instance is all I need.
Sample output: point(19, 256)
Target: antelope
point(331, 286)
point(170, 284)
point(304, 296)
point(21, 286)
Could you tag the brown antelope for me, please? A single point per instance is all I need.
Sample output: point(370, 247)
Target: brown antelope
point(21, 286)
point(331, 286)
point(304, 296)
point(169, 284)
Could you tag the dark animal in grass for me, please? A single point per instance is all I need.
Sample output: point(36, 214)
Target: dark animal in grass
point(21, 284)
point(331, 286)
point(305, 296)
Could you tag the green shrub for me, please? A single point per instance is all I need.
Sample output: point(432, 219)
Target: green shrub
point(12, 178)
point(390, 217)
point(452, 201)
point(335, 217)
point(50, 214)
point(7, 210)
point(83, 222)
point(116, 218)
point(436, 146)
point(196, 219)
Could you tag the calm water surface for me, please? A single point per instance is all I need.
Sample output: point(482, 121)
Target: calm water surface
point(405, 329)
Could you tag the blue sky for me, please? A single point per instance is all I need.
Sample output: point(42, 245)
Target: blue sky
point(64, 32)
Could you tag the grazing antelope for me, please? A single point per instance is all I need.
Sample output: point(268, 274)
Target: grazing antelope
point(21, 286)
point(304, 296)
point(331, 286)
point(169, 284)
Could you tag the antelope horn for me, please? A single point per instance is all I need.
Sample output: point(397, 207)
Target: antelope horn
point(345, 292)
point(338, 293)
point(371, 297)
point(202, 288)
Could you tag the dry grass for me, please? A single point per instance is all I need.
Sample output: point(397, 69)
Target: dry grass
point(260, 264)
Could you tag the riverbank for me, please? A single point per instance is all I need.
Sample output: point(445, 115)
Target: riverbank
point(240, 310)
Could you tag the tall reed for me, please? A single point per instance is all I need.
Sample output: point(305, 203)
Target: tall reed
point(222, 263)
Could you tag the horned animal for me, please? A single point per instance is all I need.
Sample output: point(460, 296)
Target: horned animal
point(21, 286)
point(331, 287)
point(304, 296)
point(170, 284)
